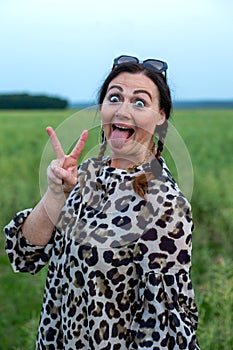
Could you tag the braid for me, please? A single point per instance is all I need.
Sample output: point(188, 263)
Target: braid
point(102, 149)
point(161, 131)
point(140, 183)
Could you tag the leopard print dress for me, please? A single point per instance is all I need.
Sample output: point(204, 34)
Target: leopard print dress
point(119, 266)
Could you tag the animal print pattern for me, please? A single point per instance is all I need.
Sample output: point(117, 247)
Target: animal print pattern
point(119, 265)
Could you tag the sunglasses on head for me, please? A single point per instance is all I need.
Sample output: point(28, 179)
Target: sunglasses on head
point(157, 65)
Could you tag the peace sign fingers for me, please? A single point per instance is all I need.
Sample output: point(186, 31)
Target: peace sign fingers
point(55, 143)
point(62, 173)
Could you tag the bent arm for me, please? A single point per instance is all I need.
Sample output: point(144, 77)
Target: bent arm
point(39, 225)
point(167, 300)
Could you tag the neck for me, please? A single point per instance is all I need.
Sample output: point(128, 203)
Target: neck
point(128, 163)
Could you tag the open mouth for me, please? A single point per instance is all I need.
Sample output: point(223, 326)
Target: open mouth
point(120, 134)
point(123, 129)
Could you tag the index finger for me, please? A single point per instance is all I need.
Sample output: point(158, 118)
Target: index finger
point(55, 143)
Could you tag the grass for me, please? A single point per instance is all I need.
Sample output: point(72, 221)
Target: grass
point(20, 304)
point(208, 136)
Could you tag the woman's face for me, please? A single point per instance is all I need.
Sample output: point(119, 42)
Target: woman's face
point(130, 113)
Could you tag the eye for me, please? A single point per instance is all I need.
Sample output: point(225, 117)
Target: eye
point(114, 98)
point(139, 104)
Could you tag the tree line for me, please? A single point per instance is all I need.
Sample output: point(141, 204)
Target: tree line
point(27, 101)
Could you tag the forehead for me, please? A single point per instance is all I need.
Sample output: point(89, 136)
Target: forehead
point(134, 81)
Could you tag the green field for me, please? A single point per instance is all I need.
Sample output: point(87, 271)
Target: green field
point(208, 135)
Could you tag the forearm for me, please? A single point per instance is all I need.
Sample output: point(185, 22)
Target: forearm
point(39, 225)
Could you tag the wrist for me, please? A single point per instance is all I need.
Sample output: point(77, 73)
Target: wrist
point(59, 196)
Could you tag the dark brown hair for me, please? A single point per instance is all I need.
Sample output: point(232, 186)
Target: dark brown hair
point(140, 182)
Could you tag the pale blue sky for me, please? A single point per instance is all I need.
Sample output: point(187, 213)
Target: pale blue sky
point(66, 47)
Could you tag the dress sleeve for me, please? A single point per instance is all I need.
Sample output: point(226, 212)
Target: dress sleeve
point(25, 257)
point(166, 316)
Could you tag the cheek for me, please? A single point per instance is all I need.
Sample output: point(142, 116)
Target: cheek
point(105, 113)
point(147, 124)
point(104, 119)
point(146, 133)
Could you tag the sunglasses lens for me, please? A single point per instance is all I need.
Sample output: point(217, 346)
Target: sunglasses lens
point(157, 65)
point(124, 59)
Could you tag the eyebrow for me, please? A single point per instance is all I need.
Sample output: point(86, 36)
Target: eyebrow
point(140, 91)
point(115, 86)
point(143, 92)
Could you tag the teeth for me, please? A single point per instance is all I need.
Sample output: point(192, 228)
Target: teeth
point(122, 127)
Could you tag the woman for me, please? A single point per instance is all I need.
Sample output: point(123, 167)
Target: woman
point(117, 232)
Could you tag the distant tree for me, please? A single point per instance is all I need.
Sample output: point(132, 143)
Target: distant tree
point(26, 101)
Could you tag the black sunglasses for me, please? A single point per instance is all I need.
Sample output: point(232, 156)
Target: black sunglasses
point(157, 65)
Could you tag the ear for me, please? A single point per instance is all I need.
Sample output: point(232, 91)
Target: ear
point(162, 117)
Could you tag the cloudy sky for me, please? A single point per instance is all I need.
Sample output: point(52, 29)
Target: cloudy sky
point(66, 47)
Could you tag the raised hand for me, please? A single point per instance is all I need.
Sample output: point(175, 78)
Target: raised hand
point(62, 172)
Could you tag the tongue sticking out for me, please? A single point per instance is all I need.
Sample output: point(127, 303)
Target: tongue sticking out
point(119, 137)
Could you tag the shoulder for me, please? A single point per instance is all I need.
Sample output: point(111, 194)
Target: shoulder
point(166, 194)
point(169, 184)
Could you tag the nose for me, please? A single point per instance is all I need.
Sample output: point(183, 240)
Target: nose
point(124, 110)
